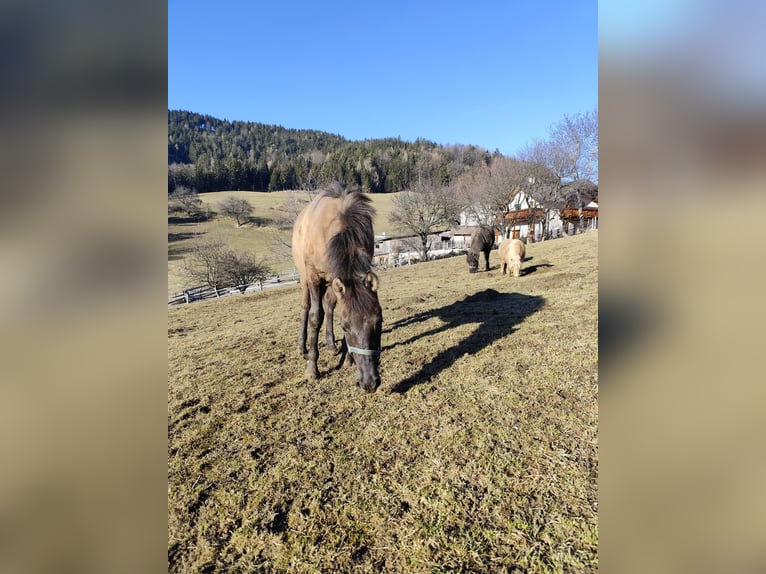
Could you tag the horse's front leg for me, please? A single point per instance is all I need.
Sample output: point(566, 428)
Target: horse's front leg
point(329, 301)
point(486, 261)
point(315, 317)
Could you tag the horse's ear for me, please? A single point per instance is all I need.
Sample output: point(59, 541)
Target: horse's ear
point(371, 281)
point(338, 286)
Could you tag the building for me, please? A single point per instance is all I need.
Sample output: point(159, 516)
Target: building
point(573, 208)
point(525, 217)
point(397, 250)
point(582, 218)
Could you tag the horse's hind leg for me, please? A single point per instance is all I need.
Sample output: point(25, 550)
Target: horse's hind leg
point(486, 260)
point(305, 304)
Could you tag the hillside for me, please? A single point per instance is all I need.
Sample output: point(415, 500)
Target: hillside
point(210, 154)
point(477, 453)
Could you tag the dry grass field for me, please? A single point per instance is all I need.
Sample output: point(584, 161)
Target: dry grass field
point(258, 236)
point(478, 453)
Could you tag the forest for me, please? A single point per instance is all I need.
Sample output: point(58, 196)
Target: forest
point(209, 154)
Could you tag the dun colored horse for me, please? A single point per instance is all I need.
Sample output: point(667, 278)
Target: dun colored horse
point(512, 253)
point(333, 244)
point(482, 241)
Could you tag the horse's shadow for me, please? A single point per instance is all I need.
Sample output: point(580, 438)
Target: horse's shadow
point(496, 315)
point(532, 268)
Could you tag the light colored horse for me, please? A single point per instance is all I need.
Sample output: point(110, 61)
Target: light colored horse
point(332, 247)
point(512, 253)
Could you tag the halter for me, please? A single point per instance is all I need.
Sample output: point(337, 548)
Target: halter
point(367, 352)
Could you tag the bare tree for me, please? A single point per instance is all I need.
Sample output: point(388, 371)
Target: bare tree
point(424, 210)
point(545, 183)
point(184, 200)
point(289, 210)
point(205, 263)
point(238, 209)
point(212, 263)
point(573, 147)
point(486, 192)
point(242, 269)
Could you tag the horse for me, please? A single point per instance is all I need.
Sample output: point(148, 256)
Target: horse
point(482, 240)
point(332, 246)
point(512, 253)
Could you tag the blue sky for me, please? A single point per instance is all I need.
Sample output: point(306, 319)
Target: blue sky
point(495, 74)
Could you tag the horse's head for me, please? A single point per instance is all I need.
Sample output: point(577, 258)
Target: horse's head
point(472, 257)
point(516, 268)
point(361, 319)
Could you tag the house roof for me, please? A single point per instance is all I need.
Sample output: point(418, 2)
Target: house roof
point(462, 230)
point(580, 193)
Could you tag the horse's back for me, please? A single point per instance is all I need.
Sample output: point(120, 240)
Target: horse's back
point(512, 249)
point(502, 249)
point(517, 249)
point(331, 214)
point(483, 238)
point(312, 231)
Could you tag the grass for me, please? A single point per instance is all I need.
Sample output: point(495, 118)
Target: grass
point(259, 237)
point(478, 453)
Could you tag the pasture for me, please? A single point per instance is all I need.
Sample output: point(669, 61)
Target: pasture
point(261, 236)
point(478, 453)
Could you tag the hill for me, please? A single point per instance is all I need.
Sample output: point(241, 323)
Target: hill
point(210, 154)
point(477, 453)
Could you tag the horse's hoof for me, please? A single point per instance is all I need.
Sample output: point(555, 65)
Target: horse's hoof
point(312, 374)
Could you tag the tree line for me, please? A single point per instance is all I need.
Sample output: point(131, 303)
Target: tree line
point(209, 154)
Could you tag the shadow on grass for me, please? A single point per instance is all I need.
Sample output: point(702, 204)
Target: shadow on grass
point(187, 220)
point(496, 314)
point(176, 251)
point(532, 268)
point(257, 221)
point(173, 237)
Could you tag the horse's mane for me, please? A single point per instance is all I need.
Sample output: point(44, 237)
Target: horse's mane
point(349, 252)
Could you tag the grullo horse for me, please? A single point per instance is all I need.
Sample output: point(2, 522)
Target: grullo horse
point(332, 245)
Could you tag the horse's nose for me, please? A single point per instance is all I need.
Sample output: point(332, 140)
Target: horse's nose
point(369, 386)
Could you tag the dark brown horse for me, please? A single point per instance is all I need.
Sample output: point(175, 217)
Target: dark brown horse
point(333, 244)
point(482, 241)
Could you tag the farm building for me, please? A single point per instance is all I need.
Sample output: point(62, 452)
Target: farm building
point(459, 238)
point(581, 218)
point(396, 250)
point(525, 217)
point(573, 210)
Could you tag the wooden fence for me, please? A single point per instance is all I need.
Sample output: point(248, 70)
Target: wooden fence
point(204, 292)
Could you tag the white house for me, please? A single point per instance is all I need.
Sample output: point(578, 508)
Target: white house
point(525, 218)
point(528, 218)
